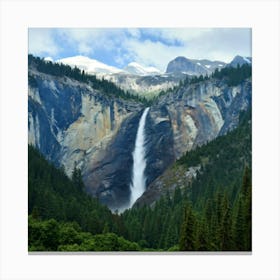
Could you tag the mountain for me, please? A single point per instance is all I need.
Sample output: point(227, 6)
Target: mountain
point(135, 78)
point(197, 165)
point(74, 119)
point(91, 66)
point(193, 66)
point(148, 86)
point(137, 69)
point(240, 60)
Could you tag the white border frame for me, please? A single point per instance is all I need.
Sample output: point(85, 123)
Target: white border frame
point(17, 16)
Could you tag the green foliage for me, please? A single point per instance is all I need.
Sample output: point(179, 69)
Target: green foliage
point(52, 194)
point(187, 237)
point(243, 219)
point(222, 161)
point(156, 227)
point(77, 178)
point(234, 75)
point(42, 236)
point(212, 214)
point(50, 235)
point(196, 79)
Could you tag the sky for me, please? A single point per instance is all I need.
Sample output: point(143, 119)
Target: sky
point(147, 46)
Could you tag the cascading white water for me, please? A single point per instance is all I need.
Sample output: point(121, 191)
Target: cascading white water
point(139, 162)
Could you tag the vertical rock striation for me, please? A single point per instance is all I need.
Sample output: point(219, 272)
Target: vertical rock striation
point(69, 122)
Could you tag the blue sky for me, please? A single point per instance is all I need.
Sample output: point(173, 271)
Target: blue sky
point(147, 46)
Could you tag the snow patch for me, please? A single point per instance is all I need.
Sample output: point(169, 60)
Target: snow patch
point(137, 69)
point(91, 66)
point(48, 59)
point(207, 66)
point(246, 59)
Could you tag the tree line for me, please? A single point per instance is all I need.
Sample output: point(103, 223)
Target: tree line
point(212, 213)
point(62, 70)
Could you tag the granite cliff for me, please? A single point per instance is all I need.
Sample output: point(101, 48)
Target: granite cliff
point(72, 123)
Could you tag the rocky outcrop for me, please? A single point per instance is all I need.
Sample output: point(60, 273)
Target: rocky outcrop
point(160, 142)
point(195, 114)
point(200, 112)
point(109, 178)
point(73, 124)
point(193, 66)
point(240, 60)
point(145, 86)
point(174, 177)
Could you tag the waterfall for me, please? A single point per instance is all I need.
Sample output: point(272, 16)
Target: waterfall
point(139, 162)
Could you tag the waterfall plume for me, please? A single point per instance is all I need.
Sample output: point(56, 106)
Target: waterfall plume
point(138, 184)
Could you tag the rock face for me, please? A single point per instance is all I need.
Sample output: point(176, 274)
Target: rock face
point(71, 123)
point(109, 178)
point(160, 142)
point(172, 178)
point(195, 114)
point(135, 78)
point(147, 86)
point(137, 69)
point(240, 60)
point(199, 112)
point(193, 66)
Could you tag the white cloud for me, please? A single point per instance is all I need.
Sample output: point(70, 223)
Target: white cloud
point(181, 35)
point(134, 32)
point(88, 40)
point(84, 48)
point(222, 44)
point(151, 53)
point(41, 42)
point(214, 44)
point(148, 46)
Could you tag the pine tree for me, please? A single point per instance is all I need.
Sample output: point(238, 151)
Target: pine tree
point(187, 237)
point(77, 178)
point(243, 221)
point(226, 226)
point(247, 197)
point(203, 242)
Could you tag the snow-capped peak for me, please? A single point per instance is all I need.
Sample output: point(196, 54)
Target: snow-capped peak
point(137, 69)
point(240, 60)
point(89, 65)
point(48, 59)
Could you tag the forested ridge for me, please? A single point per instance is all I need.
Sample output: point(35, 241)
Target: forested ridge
point(213, 213)
point(230, 75)
point(62, 70)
